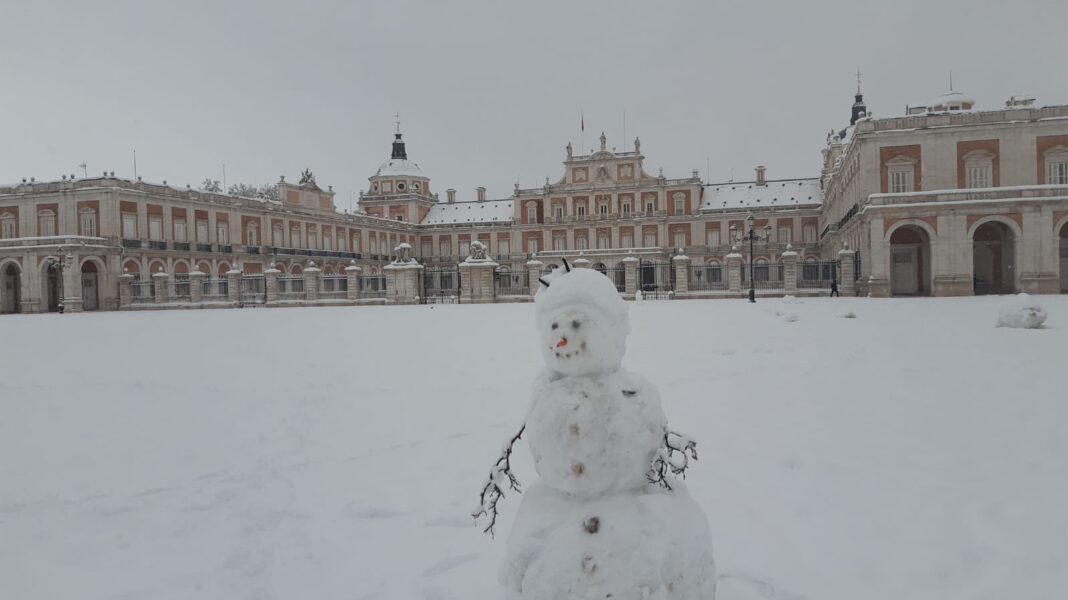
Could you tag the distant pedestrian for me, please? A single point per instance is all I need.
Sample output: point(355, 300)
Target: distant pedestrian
point(834, 288)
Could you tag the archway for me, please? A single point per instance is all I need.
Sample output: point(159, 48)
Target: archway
point(910, 261)
point(53, 284)
point(10, 289)
point(994, 259)
point(1064, 257)
point(90, 286)
point(223, 269)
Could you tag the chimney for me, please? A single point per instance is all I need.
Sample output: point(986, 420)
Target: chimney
point(760, 179)
point(481, 193)
point(452, 195)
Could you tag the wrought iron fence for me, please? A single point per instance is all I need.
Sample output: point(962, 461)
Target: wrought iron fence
point(333, 287)
point(766, 276)
point(142, 292)
point(618, 275)
point(655, 278)
point(511, 283)
point(253, 289)
point(372, 286)
point(818, 274)
point(216, 289)
point(291, 288)
point(440, 285)
point(179, 289)
point(705, 278)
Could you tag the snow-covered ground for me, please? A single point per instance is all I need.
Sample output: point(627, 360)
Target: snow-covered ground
point(916, 451)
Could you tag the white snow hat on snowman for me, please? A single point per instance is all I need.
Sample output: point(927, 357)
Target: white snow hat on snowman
point(581, 306)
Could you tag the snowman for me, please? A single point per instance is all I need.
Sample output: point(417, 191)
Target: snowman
point(607, 517)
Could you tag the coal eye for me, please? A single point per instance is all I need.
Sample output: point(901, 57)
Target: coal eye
point(575, 324)
point(555, 325)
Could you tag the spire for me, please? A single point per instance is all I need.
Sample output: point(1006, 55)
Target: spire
point(398, 143)
point(859, 108)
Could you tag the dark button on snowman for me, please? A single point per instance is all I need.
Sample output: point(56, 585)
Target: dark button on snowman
point(603, 520)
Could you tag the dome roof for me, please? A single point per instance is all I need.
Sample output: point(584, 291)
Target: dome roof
point(399, 167)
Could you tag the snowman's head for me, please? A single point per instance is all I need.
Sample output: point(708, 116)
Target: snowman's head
point(582, 322)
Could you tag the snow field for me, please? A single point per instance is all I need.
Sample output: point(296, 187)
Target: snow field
point(914, 451)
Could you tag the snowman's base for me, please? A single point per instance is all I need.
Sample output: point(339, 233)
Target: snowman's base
point(647, 544)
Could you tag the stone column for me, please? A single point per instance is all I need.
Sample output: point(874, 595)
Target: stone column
point(879, 262)
point(125, 290)
point(233, 285)
point(846, 285)
point(682, 274)
point(734, 274)
point(533, 273)
point(270, 283)
point(789, 270)
point(311, 282)
point(476, 281)
point(352, 281)
point(161, 282)
point(72, 286)
point(630, 276)
point(196, 286)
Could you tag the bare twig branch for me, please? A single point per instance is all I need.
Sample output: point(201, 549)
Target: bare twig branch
point(493, 491)
point(673, 457)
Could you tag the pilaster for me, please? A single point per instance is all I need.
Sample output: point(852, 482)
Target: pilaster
point(846, 286)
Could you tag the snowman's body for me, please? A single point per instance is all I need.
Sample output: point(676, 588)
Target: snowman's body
point(594, 526)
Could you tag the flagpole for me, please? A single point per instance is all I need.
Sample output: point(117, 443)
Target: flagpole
point(582, 136)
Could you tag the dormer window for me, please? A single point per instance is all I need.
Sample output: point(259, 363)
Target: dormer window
point(374, 188)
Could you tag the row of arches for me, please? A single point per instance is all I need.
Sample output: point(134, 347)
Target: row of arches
point(181, 267)
point(89, 277)
point(994, 241)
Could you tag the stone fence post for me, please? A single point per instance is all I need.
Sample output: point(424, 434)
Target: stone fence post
point(582, 263)
point(125, 289)
point(196, 286)
point(352, 281)
point(682, 274)
point(789, 270)
point(270, 283)
point(846, 286)
point(233, 285)
point(734, 272)
point(630, 276)
point(533, 273)
point(311, 282)
point(160, 282)
point(476, 281)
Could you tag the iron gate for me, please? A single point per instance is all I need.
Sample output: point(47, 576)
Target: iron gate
point(253, 289)
point(655, 279)
point(440, 285)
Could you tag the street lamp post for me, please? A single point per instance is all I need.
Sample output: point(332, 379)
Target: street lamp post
point(752, 236)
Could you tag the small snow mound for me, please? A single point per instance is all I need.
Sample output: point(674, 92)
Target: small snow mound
point(789, 299)
point(848, 315)
point(790, 318)
point(1021, 312)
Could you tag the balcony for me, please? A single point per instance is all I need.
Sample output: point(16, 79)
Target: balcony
point(157, 245)
point(183, 246)
point(1012, 193)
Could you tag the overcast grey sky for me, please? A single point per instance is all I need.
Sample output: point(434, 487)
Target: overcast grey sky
point(488, 92)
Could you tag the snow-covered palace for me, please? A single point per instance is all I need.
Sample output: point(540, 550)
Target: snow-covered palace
point(945, 200)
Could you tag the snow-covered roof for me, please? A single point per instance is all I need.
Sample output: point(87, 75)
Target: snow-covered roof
point(399, 167)
point(489, 211)
point(747, 194)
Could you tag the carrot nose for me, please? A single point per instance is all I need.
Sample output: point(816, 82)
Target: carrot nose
point(561, 343)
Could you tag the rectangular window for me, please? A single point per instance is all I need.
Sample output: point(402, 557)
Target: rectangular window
point(978, 176)
point(680, 239)
point(223, 231)
point(680, 206)
point(313, 239)
point(532, 245)
point(202, 232)
point(809, 234)
point(129, 226)
point(1057, 173)
point(341, 242)
point(179, 230)
point(504, 247)
point(626, 240)
point(559, 212)
point(155, 229)
point(294, 237)
point(603, 209)
point(649, 205)
point(251, 237)
point(625, 209)
point(559, 243)
point(426, 248)
point(580, 211)
point(901, 181)
point(603, 241)
point(712, 238)
point(785, 235)
point(7, 228)
point(649, 239)
point(580, 243)
point(46, 225)
point(356, 245)
point(328, 242)
point(445, 248)
point(532, 214)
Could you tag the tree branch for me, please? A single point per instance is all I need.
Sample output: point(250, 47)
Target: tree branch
point(493, 491)
point(672, 457)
